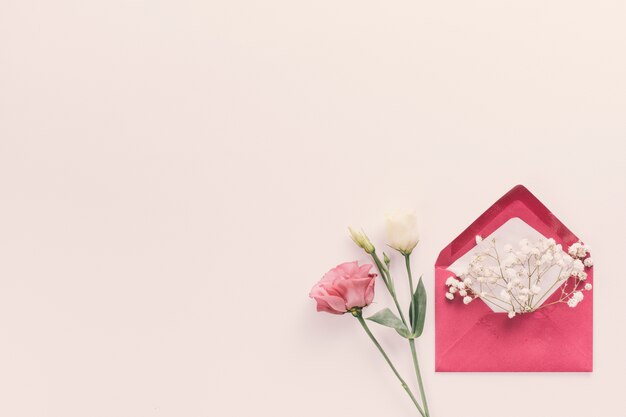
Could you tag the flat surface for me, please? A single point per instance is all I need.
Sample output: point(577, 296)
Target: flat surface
point(176, 175)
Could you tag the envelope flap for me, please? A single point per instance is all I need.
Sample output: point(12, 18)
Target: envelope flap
point(518, 202)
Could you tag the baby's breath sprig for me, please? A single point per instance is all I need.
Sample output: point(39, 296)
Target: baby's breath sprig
point(516, 281)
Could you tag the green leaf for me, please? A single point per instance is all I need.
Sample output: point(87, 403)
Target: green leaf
point(387, 318)
point(417, 311)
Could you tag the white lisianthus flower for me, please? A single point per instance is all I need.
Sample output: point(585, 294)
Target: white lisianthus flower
point(361, 240)
point(402, 233)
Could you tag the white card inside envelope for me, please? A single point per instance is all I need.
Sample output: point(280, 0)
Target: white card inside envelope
point(510, 233)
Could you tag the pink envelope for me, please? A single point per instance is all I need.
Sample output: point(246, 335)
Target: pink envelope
point(474, 338)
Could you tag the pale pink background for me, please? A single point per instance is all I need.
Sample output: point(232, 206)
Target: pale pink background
point(175, 176)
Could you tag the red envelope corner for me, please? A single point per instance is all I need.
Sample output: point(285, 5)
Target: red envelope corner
point(473, 338)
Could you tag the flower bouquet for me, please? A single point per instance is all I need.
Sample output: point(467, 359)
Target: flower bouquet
point(517, 279)
point(349, 288)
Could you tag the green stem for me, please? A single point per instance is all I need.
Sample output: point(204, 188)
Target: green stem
point(359, 317)
point(383, 272)
point(408, 270)
point(419, 376)
point(416, 365)
point(386, 275)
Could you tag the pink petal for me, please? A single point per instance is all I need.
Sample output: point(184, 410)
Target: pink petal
point(354, 291)
point(336, 303)
point(369, 292)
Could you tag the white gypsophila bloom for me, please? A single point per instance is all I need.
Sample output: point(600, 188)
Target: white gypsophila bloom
point(535, 289)
point(462, 293)
point(467, 299)
point(509, 286)
point(582, 275)
point(402, 233)
point(505, 295)
point(449, 296)
point(461, 285)
point(578, 250)
point(573, 250)
point(522, 297)
point(572, 302)
point(508, 247)
point(451, 281)
point(524, 290)
point(511, 273)
point(453, 290)
point(481, 279)
point(546, 257)
point(578, 296)
point(511, 314)
point(578, 265)
point(479, 239)
point(588, 262)
point(583, 251)
point(467, 281)
point(588, 287)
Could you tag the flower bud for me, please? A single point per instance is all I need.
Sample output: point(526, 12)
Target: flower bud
point(386, 259)
point(362, 241)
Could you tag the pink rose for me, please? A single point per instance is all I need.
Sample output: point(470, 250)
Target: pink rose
point(346, 286)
